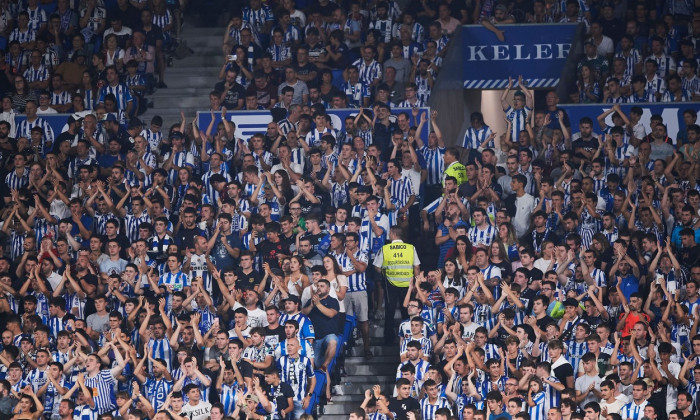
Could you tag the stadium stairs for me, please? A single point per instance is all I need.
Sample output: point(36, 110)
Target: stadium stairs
point(363, 374)
point(189, 82)
point(190, 79)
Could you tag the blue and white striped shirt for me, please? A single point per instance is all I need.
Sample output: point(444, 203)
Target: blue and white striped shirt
point(36, 74)
point(120, 91)
point(633, 411)
point(103, 394)
point(356, 281)
point(401, 189)
point(434, 162)
point(296, 372)
point(482, 237)
point(428, 409)
point(258, 18)
point(178, 280)
point(15, 182)
point(518, 118)
point(368, 72)
point(476, 138)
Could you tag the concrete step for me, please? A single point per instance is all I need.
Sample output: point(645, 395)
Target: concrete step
point(180, 92)
point(359, 388)
point(201, 60)
point(370, 370)
point(177, 81)
point(348, 399)
point(374, 379)
point(336, 416)
point(182, 102)
point(381, 352)
point(203, 30)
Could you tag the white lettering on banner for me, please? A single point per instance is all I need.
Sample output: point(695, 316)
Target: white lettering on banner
point(518, 52)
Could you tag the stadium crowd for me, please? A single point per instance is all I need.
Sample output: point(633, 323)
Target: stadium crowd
point(180, 272)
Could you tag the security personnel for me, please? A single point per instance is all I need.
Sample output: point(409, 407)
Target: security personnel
point(400, 263)
point(453, 167)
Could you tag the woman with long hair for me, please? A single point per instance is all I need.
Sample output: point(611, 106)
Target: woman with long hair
point(452, 276)
point(588, 87)
point(327, 89)
point(461, 252)
point(601, 245)
point(339, 283)
point(88, 89)
point(339, 287)
point(296, 280)
point(506, 234)
point(498, 256)
point(281, 178)
point(535, 398)
point(21, 94)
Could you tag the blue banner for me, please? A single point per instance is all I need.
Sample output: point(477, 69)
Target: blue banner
point(56, 121)
point(672, 114)
point(537, 52)
point(249, 123)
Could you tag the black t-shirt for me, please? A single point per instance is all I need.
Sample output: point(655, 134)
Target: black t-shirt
point(274, 336)
point(232, 95)
point(153, 36)
point(542, 323)
point(245, 368)
point(564, 371)
point(306, 69)
point(247, 281)
point(270, 252)
point(281, 395)
point(587, 145)
point(90, 279)
point(400, 407)
point(264, 95)
point(184, 237)
point(324, 325)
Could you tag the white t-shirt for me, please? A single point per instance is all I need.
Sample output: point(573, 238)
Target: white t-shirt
point(542, 264)
point(257, 318)
point(197, 412)
point(615, 407)
point(582, 384)
point(523, 210)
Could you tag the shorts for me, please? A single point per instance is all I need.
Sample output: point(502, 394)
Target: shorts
point(320, 347)
point(356, 305)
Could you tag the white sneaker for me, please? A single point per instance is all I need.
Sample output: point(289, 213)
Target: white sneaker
point(338, 390)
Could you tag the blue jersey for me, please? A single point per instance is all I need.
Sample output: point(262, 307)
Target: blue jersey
point(537, 412)
point(518, 118)
point(306, 329)
point(296, 372)
point(160, 349)
point(157, 391)
point(102, 386)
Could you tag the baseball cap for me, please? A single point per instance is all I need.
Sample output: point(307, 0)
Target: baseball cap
point(111, 117)
point(293, 298)
point(176, 135)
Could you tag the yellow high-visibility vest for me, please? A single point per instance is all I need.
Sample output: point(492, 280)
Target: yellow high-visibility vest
point(458, 171)
point(398, 263)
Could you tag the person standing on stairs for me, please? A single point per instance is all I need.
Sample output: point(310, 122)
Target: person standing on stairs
point(399, 263)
